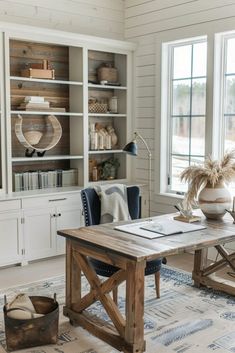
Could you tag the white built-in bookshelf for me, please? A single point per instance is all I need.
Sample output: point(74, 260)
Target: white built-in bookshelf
point(40, 194)
point(75, 82)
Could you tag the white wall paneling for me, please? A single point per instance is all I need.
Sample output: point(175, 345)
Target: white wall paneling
point(151, 19)
point(94, 17)
point(148, 22)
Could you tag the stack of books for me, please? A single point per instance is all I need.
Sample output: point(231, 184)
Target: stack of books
point(37, 103)
point(33, 180)
point(34, 103)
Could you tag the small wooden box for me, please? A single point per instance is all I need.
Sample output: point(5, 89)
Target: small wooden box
point(39, 331)
point(39, 73)
point(187, 219)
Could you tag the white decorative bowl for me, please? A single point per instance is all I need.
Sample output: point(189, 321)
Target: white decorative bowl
point(33, 137)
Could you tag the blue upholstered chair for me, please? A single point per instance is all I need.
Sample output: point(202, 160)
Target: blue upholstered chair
point(91, 208)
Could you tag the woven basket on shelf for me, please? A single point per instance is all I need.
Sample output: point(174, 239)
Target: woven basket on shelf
point(97, 107)
point(107, 73)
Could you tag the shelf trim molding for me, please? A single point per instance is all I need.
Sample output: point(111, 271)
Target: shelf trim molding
point(97, 86)
point(45, 158)
point(105, 151)
point(110, 115)
point(28, 79)
point(38, 112)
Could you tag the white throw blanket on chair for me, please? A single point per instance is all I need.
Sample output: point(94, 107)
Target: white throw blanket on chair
point(114, 203)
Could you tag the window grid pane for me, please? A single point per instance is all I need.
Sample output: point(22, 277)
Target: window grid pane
point(187, 113)
point(229, 95)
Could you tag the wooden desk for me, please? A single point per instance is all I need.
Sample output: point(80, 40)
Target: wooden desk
point(130, 253)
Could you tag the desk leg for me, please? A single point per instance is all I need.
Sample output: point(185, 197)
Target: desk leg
point(200, 262)
point(73, 277)
point(134, 330)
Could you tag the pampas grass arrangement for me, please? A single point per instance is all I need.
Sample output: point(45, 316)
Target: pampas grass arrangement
point(211, 173)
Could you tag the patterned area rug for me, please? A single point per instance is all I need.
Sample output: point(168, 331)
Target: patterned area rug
point(184, 319)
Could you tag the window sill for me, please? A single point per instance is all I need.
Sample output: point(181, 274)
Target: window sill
point(167, 198)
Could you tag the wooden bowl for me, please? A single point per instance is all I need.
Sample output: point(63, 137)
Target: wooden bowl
point(33, 137)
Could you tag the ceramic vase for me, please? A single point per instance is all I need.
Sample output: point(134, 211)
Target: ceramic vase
point(214, 200)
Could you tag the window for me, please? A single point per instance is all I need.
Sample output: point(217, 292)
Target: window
point(186, 108)
point(229, 94)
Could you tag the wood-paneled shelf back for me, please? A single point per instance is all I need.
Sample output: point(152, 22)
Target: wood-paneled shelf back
point(35, 140)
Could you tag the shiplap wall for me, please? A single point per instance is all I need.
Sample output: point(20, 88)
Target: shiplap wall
point(147, 22)
point(104, 18)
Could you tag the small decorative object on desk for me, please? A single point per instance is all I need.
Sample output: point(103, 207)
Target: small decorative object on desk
point(207, 182)
point(186, 214)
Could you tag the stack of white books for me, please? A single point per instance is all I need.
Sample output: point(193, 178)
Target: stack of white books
point(34, 103)
point(33, 180)
point(38, 103)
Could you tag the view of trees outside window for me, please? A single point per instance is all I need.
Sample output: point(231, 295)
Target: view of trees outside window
point(188, 109)
point(229, 95)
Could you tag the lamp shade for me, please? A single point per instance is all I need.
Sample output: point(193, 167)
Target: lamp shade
point(131, 148)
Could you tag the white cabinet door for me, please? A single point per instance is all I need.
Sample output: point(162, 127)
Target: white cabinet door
point(39, 233)
point(67, 217)
point(11, 246)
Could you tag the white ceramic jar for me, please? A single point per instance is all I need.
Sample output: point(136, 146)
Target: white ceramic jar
point(213, 201)
point(113, 104)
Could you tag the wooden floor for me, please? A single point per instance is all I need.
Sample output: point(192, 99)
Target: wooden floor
point(17, 275)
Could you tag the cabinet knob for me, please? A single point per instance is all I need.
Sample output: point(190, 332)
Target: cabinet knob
point(59, 214)
point(53, 215)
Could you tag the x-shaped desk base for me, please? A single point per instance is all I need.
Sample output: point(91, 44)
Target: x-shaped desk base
point(125, 333)
point(202, 273)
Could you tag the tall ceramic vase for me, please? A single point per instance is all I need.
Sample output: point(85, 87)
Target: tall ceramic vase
point(214, 200)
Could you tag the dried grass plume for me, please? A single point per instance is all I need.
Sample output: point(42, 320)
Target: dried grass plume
point(212, 173)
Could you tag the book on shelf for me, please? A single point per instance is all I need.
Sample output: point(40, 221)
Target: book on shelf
point(69, 177)
point(34, 99)
point(25, 181)
point(59, 178)
point(18, 182)
point(33, 181)
point(41, 108)
point(42, 179)
point(52, 178)
point(43, 105)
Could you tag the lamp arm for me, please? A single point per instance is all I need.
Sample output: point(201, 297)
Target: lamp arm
point(137, 135)
point(144, 142)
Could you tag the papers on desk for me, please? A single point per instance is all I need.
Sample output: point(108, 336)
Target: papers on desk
point(156, 229)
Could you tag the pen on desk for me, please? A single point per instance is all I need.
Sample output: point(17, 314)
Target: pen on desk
point(177, 208)
point(181, 211)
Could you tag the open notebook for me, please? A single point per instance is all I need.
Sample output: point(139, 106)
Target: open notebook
point(155, 229)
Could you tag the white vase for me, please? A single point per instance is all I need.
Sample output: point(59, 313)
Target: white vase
point(214, 201)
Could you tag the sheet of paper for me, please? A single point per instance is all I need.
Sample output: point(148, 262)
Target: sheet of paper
point(170, 227)
point(155, 229)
